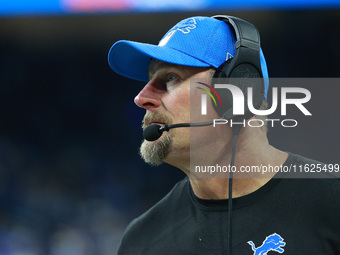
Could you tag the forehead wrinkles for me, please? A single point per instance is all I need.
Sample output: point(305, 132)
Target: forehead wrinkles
point(156, 65)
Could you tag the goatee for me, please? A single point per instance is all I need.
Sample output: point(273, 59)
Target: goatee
point(154, 153)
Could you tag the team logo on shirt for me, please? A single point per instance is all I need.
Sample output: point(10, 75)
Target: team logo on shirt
point(274, 242)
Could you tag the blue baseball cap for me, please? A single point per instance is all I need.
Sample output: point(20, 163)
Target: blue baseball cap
point(196, 41)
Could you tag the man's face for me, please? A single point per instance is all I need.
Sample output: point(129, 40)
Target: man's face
point(166, 98)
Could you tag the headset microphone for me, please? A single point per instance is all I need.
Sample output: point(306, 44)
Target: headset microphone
point(152, 132)
point(155, 131)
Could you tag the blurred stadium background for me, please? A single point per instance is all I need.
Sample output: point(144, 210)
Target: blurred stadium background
point(70, 175)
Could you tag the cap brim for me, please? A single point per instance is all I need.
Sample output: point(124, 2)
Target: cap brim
point(131, 59)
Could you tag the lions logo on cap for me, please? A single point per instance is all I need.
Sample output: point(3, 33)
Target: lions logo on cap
point(184, 26)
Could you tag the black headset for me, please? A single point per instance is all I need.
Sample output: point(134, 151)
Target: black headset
point(243, 70)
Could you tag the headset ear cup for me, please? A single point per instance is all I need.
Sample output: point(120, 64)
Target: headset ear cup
point(221, 71)
point(243, 76)
point(226, 97)
point(246, 76)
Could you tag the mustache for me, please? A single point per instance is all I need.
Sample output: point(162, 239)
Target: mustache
point(155, 117)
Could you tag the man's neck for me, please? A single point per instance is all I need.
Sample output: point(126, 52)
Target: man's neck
point(250, 151)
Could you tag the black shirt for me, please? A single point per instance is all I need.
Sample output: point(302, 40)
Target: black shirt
point(286, 215)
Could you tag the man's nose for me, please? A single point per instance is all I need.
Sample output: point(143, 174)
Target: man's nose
point(149, 97)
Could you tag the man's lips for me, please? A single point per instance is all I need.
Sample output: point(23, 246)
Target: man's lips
point(156, 122)
point(146, 124)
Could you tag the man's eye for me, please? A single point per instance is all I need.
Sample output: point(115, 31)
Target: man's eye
point(171, 77)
